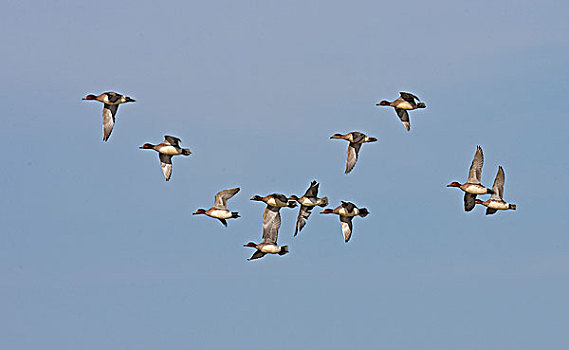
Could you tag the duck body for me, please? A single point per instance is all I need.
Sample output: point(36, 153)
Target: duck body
point(166, 150)
point(111, 101)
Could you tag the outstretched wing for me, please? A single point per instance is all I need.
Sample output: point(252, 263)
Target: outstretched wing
point(498, 186)
point(303, 215)
point(352, 156)
point(257, 255)
point(109, 112)
point(222, 197)
point(409, 97)
point(172, 141)
point(469, 201)
point(490, 211)
point(475, 172)
point(166, 164)
point(271, 224)
point(312, 191)
point(404, 116)
point(346, 222)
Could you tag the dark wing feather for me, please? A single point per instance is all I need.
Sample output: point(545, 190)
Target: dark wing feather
point(312, 191)
point(109, 112)
point(174, 141)
point(409, 97)
point(346, 223)
point(469, 201)
point(303, 215)
point(404, 117)
point(257, 255)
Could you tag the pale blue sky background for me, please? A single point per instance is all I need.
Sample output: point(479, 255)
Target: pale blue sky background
point(97, 251)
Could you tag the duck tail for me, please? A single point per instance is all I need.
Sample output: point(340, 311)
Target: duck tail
point(513, 206)
point(186, 151)
point(284, 250)
point(421, 105)
point(235, 215)
point(323, 201)
point(363, 212)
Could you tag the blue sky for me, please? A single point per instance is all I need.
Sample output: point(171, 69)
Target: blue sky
point(97, 251)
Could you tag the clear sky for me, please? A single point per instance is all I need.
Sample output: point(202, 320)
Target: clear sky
point(97, 251)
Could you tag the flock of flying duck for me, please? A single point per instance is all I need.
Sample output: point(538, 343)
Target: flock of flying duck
point(274, 202)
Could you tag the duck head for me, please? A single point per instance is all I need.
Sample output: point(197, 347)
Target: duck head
point(147, 146)
point(383, 103)
point(257, 198)
point(337, 136)
point(90, 97)
point(327, 211)
point(250, 244)
point(199, 211)
point(454, 184)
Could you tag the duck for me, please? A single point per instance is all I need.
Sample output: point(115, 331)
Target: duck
point(356, 140)
point(271, 225)
point(278, 200)
point(111, 101)
point(307, 202)
point(404, 103)
point(166, 150)
point(473, 187)
point(496, 201)
point(346, 211)
point(219, 210)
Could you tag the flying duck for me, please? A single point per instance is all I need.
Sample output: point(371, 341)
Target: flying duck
point(347, 211)
point(271, 225)
point(496, 201)
point(111, 101)
point(219, 210)
point(168, 148)
point(473, 187)
point(404, 103)
point(356, 140)
point(307, 202)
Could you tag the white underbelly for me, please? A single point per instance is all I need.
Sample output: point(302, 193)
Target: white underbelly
point(220, 213)
point(169, 150)
point(270, 248)
point(344, 212)
point(498, 205)
point(308, 202)
point(405, 105)
point(475, 189)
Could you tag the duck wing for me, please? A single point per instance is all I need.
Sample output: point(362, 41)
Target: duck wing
point(172, 141)
point(166, 164)
point(346, 222)
point(109, 112)
point(498, 186)
point(349, 206)
point(352, 156)
point(490, 211)
point(475, 172)
point(469, 201)
point(222, 197)
point(303, 215)
point(409, 97)
point(404, 117)
point(271, 224)
point(312, 191)
point(113, 97)
point(257, 255)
